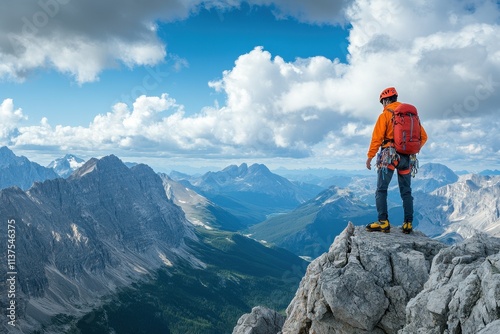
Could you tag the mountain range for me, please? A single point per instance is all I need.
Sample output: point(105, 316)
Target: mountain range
point(432, 176)
point(105, 245)
point(80, 238)
point(250, 193)
point(238, 197)
point(199, 210)
point(461, 209)
point(309, 229)
point(107, 228)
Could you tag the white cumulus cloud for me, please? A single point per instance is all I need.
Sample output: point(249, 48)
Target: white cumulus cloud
point(10, 118)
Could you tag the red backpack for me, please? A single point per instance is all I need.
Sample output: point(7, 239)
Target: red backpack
point(406, 129)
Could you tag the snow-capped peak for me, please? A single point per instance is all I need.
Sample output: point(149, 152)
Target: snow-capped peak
point(66, 165)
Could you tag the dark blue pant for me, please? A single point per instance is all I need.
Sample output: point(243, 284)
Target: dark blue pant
point(404, 181)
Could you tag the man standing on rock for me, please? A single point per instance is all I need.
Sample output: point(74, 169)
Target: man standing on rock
point(388, 160)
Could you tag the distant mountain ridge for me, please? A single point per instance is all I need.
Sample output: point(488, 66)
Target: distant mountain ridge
point(256, 178)
point(309, 229)
point(431, 176)
point(21, 172)
point(199, 210)
point(490, 172)
point(250, 192)
point(461, 209)
point(442, 209)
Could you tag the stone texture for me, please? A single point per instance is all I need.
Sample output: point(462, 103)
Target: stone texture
point(462, 294)
point(362, 284)
point(260, 321)
point(396, 283)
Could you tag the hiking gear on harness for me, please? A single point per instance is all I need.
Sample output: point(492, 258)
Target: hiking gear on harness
point(381, 225)
point(414, 165)
point(388, 92)
point(387, 158)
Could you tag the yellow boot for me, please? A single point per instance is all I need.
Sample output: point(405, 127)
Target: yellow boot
point(381, 225)
point(407, 227)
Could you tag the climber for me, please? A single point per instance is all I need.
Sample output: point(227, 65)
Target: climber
point(388, 160)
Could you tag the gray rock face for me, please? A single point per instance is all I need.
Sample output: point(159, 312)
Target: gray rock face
point(462, 294)
point(80, 238)
point(362, 284)
point(397, 283)
point(491, 328)
point(260, 321)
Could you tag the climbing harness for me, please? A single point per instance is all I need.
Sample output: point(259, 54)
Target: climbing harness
point(386, 158)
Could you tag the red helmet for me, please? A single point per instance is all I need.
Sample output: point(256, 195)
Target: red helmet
point(388, 92)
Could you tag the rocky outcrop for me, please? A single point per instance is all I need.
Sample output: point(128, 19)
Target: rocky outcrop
point(260, 321)
point(397, 283)
point(462, 294)
point(362, 284)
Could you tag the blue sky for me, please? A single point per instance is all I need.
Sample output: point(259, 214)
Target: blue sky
point(286, 83)
point(202, 45)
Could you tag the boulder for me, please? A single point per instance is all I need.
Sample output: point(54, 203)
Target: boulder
point(260, 321)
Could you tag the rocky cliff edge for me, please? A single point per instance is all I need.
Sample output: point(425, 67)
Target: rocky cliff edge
point(397, 283)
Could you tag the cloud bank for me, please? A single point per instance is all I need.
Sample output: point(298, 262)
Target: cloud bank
point(82, 38)
point(444, 57)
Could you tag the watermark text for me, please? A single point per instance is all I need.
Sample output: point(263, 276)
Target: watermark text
point(11, 278)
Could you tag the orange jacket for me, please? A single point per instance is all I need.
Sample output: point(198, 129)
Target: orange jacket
point(384, 131)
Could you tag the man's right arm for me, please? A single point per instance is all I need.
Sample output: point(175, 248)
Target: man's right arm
point(377, 136)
